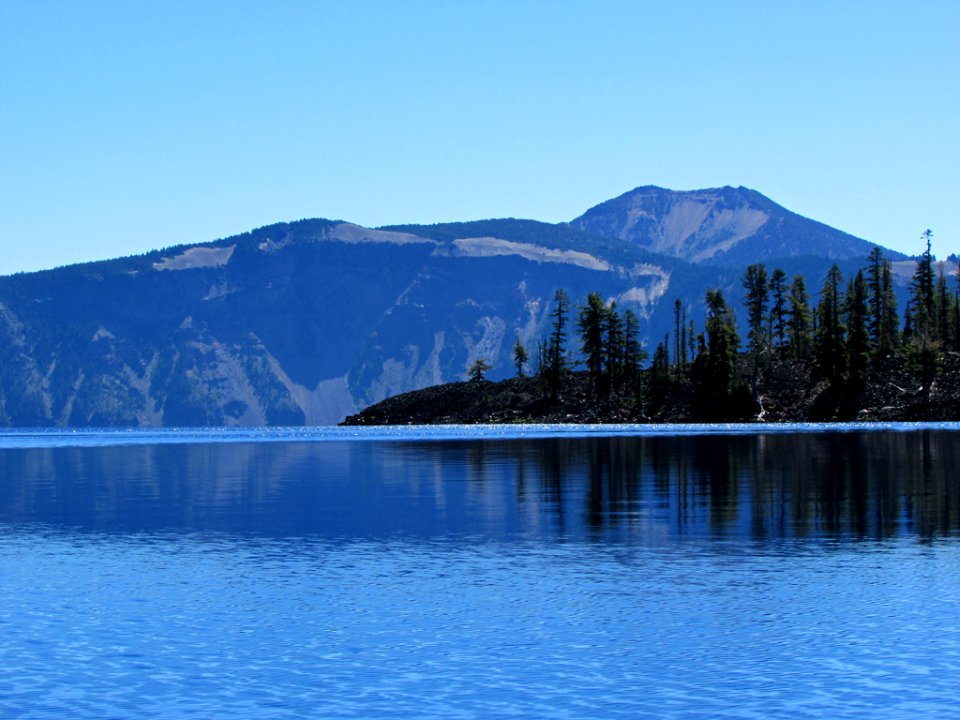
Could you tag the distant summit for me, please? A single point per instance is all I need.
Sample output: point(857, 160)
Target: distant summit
point(719, 226)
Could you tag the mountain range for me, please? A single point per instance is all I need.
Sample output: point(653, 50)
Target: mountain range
point(309, 321)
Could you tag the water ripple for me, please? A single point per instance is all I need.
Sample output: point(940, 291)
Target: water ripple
point(158, 627)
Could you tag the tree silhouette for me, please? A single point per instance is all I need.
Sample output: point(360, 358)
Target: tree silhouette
point(830, 347)
point(614, 344)
point(520, 356)
point(477, 369)
point(778, 309)
point(557, 363)
point(757, 300)
point(715, 366)
point(590, 324)
point(922, 308)
point(633, 354)
point(858, 345)
point(883, 323)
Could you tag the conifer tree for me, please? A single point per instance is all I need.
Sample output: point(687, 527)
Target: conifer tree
point(944, 309)
point(543, 355)
point(520, 356)
point(722, 345)
point(923, 300)
point(883, 321)
point(757, 300)
point(679, 338)
point(633, 353)
point(956, 311)
point(858, 348)
point(477, 369)
point(660, 369)
point(830, 347)
point(591, 326)
point(799, 322)
point(876, 262)
point(557, 363)
point(922, 325)
point(614, 346)
point(778, 309)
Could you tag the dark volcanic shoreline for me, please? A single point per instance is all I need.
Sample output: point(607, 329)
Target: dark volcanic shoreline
point(790, 396)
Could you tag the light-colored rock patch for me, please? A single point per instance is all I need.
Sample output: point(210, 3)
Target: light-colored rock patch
point(350, 233)
point(682, 221)
point(532, 320)
point(488, 345)
point(400, 375)
point(492, 247)
point(272, 246)
point(150, 415)
point(218, 291)
point(67, 410)
point(693, 228)
point(739, 225)
point(429, 373)
point(903, 270)
point(645, 298)
point(643, 269)
point(326, 404)
point(197, 257)
point(395, 376)
point(45, 392)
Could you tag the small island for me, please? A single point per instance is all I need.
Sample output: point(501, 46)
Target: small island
point(849, 358)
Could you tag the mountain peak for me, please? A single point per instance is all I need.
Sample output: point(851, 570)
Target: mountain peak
point(719, 226)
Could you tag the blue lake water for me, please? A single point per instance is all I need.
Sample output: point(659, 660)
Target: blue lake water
point(672, 572)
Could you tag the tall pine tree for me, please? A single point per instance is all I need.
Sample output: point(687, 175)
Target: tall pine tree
point(614, 346)
point(557, 362)
point(633, 354)
point(590, 324)
point(799, 321)
point(778, 309)
point(923, 312)
point(757, 301)
point(716, 368)
point(858, 343)
point(830, 346)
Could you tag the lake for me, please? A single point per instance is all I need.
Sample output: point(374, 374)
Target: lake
point(554, 572)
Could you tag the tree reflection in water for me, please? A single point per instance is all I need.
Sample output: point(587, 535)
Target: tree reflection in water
point(652, 488)
point(862, 485)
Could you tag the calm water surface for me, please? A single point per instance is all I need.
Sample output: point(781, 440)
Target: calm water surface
point(537, 572)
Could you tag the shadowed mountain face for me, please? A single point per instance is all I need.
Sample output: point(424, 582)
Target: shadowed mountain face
point(721, 226)
point(306, 322)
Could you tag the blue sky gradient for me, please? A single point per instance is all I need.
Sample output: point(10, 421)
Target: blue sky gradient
point(128, 126)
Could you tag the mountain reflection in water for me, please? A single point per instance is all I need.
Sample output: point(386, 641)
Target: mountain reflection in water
point(650, 489)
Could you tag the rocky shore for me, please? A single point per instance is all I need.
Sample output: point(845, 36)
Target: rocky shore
point(891, 394)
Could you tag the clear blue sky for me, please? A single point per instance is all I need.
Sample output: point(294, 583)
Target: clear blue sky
point(127, 126)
